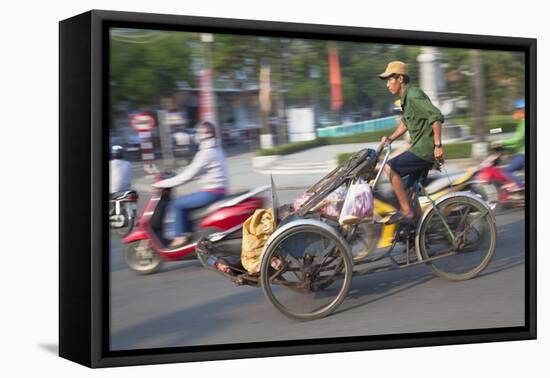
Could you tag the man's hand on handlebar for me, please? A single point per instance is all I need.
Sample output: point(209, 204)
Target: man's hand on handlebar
point(385, 142)
point(438, 153)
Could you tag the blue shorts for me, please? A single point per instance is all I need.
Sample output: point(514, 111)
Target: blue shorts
point(410, 165)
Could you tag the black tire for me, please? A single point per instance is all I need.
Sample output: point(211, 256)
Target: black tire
point(130, 219)
point(477, 244)
point(304, 277)
point(141, 258)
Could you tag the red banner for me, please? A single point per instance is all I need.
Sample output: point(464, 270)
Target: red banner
point(265, 89)
point(335, 79)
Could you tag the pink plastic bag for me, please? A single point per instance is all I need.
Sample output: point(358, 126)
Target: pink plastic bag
point(330, 205)
point(301, 199)
point(333, 202)
point(359, 204)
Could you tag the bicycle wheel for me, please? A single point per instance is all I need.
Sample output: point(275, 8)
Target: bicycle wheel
point(306, 272)
point(475, 232)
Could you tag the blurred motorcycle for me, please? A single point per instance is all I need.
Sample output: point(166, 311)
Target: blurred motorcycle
point(147, 247)
point(491, 174)
point(123, 211)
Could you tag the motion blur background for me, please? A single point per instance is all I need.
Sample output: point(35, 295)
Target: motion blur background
point(263, 92)
point(294, 108)
point(30, 286)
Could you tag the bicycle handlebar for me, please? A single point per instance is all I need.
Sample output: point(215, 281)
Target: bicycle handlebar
point(381, 147)
point(379, 150)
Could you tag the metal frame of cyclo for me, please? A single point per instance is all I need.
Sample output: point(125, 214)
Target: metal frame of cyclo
point(436, 202)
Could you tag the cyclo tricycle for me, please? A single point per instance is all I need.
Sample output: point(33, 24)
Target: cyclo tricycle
point(307, 265)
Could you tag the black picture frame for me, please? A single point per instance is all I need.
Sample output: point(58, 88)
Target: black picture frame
point(83, 180)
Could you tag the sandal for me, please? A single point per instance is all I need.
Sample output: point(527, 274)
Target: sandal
point(399, 217)
point(179, 241)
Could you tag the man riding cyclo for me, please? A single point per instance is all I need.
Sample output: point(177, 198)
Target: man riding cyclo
point(423, 122)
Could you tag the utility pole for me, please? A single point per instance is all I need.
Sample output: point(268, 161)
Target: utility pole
point(264, 98)
point(165, 140)
point(314, 75)
point(208, 101)
point(279, 79)
point(478, 108)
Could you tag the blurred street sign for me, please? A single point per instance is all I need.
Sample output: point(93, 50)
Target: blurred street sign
point(142, 122)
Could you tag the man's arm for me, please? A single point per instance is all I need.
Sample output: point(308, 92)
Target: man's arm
point(438, 151)
point(400, 130)
point(424, 108)
point(517, 140)
point(189, 173)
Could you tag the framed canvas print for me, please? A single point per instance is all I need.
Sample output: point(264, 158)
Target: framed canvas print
point(234, 188)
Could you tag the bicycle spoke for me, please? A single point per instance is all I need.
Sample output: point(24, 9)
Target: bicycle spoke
point(463, 218)
point(472, 247)
point(289, 256)
point(470, 225)
point(315, 277)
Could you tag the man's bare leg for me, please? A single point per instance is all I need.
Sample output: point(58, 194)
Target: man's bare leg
point(416, 206)
point(399, 190)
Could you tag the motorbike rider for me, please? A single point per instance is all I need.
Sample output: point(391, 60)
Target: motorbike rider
point(423, 122)
point(516, 144)
point(120, 171)
point(208, 167)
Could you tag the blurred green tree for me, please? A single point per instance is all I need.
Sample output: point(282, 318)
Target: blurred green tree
point(146, 65)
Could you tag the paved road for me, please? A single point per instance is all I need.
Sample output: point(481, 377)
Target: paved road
point(184, 304)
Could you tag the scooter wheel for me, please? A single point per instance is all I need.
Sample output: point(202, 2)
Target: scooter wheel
point(141, 258)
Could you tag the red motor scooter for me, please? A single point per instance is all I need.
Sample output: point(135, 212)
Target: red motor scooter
point(147, 247)
point(490, 173)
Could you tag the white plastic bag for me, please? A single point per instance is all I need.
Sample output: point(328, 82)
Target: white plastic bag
point(359, 204)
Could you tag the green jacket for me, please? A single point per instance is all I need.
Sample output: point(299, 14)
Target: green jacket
point(517, 142)
point(418, 115)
